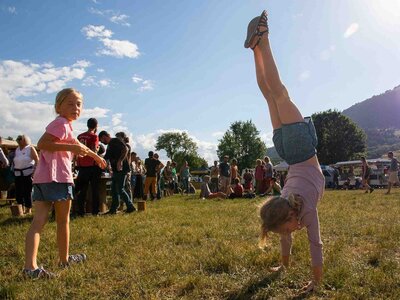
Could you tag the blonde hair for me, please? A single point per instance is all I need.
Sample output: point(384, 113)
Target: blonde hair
point(63, 94)
point(276, 212)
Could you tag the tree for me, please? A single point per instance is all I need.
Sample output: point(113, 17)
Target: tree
point(339, 138)
point(174, 142)
point(242, 141)
point(193, 159)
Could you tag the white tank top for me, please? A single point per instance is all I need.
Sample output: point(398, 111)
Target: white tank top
point(23, 160)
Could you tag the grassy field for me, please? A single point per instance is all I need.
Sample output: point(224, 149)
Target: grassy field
point(187, 248)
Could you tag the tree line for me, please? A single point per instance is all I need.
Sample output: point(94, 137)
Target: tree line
point(339, 139)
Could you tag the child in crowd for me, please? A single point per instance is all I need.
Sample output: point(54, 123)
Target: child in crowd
point(237, 189)
point(274, 188)
point(248, 181)
point(366, 172)
point(52, 182)
point(205, 190)
point(259, 176)
point(295, 141)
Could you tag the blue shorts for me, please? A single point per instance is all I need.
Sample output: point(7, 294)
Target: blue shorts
point(296, 142)
point(53, 191)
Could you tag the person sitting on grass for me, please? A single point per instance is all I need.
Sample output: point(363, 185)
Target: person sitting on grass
point(205, 192)
point(274, 188)
point(237, 189)
point(248, 181)
point(295, 141)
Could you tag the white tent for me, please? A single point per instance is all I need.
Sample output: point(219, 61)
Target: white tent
point(282, 166)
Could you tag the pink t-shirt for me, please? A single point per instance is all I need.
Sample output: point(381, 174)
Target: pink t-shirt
point(56, 166)
point(307, 181)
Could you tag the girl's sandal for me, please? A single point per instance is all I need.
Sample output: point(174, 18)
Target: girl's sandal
point(254, 32)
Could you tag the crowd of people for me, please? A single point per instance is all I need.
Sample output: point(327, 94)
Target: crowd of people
point(226, 181)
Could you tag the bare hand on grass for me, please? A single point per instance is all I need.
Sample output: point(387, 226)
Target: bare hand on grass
point(308, 288)
point(277, 269)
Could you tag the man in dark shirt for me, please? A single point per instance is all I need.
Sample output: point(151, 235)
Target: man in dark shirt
point(225, 175)
point(117, 155)
point(152, 166)
point(89, 172)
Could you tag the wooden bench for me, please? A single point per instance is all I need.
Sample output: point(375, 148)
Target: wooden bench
point(7, 201)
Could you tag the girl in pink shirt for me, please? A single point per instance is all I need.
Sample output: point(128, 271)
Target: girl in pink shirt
point(53, 181)
point(295, 141)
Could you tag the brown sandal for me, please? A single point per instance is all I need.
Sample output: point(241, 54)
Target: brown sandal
point(253, 29)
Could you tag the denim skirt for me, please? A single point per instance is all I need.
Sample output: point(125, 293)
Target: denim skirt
point(53, 191)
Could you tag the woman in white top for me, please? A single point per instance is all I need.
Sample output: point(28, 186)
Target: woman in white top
point(25, 160)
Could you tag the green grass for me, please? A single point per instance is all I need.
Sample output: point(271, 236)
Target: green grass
point(187, 248)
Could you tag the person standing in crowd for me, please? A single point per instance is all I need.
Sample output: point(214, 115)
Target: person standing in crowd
point(138, 172)
point(125, 139)
point(89, 171)
point(214, 173)
point(184, 174)
point(393, 172)
point(152, 166)
point(53, 181)
point(234, 171)
point(25, 161)
point(259, 176)
point(4, 163)
point(167, 174)
point(225, 175)
point(268, 172)
point(174, 177)
point(366, 172)
point(133, 175)
point(117, 155)
point(158, 183)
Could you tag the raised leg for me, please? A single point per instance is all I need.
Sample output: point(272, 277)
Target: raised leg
point(271, 86)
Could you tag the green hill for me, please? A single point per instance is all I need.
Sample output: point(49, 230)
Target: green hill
point(379, 116)
point(377, 112)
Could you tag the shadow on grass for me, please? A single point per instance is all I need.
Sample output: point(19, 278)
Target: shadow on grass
point(16, 220)
point(252, 287)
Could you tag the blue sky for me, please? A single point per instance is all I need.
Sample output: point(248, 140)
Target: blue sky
point(147, 67)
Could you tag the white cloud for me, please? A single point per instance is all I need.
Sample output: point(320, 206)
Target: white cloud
point(82, 64)
point(12, 10)
point(28, 79)
point(304, 75)
point(297, 16)
point(112, 16)
point(100, 70)
point(137, 79)
point(352, 29)
point(267, 138)
point(25, 79)
point(115, 48)
point(116, 119)
point(120, 19)
point(93, 31)
point(93, 81)
point(144, 84)
point(218, 134)
point(119, 48)
point(327, 53)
